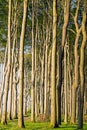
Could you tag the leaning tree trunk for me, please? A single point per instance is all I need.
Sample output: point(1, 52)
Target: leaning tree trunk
point(82, 57)
point(4, 115)
point(21, 68)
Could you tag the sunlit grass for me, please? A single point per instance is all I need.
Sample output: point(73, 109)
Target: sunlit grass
point(12, 125)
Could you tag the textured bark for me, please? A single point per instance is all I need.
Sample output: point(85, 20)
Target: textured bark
point(33, 69)
point(82, 57)
point(46, 71)
point(21, 70)
point(3, 81)
point(36, 57)
point(49, 84)
point(10, 93)
point(14, 92)
point(61, 53)
point(76, 66)
point(70, 81)
point(42, 87)
point(53, 68)
point(4, 115)
point(25, 93)
point(12, 63)
point(65, 84)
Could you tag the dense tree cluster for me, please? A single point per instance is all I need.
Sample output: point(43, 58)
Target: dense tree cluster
point(43, 44)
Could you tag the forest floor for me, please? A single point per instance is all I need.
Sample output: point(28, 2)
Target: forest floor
point(12, 125)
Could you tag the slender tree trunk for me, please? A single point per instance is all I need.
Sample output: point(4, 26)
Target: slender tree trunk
point(4, 115)
point(25, 93)
point(76, 67)
point(82, 57)
point(21, 65)
point(36, 55)
point(42, 87)
point(53, 68)
point(65, 84)
point(61, 53)
point(3, 81)
point(10, 101)
point(46, 72)
point(33, 69)
point(14, 92)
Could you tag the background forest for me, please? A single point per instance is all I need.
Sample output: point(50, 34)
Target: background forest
point(43, 64)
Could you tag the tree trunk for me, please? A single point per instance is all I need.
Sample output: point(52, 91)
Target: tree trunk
point(33, 69)
point(14, 93)
point(21, 65)
point(46, 72)
point(53, 68)
point(76, 66)
point(61, 53)
point(82, 57)
point(65, 84)
point(3, 81)
point(4, 115)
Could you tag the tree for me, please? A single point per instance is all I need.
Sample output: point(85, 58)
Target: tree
point(21, 67)
point(82, 57)
point(76, 66)
point(4, 115)
point(33, 69)
point(61, 53)
point(53, 68)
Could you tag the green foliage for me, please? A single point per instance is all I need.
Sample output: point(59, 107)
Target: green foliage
point(3, 22)
point(27, 61)
point(1, 56)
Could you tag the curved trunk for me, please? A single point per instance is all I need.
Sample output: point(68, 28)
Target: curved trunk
point(61, 53)
point(4, 115)
point(76, 66)
point(21, 65)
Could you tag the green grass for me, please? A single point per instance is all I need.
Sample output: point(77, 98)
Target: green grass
point(12, 125)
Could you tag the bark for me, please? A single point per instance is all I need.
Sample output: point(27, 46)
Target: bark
point(65, 84)
point(14, 92)
point(36, 55)
point(82, 57)
point(49, 83)
point(25, 93)
point(61, 53)
point(3, 81)
point(21, 65)
point(70, 81)
point(53, 68)
point(76, 66)
point(42, 87)
point(12, 62)
point(46, 71)
point(33, 69)
point(4, 115)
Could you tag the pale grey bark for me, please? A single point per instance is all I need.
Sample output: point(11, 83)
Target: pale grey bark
point(4, 115)
point(33, 69)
